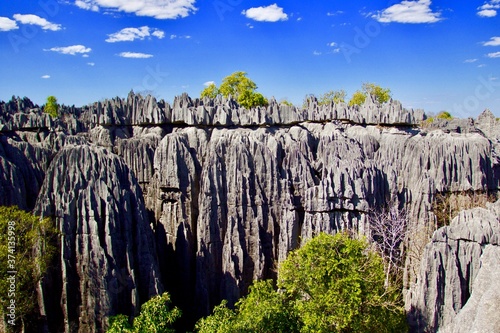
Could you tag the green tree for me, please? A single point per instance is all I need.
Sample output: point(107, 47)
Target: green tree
point(358, 98)
point(332, 96)
point(51, 106)
point(382, 95)
point(337, 285)
point(239, 86)
point(210, 91)
point(331, 284)
point(27, 248)
point(155, 317)
point(444, 115)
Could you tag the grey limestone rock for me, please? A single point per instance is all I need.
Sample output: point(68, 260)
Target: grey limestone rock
point(456, 290)
point(107, 261)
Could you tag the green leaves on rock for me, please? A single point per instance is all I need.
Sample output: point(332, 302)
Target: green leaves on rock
point(331, 284)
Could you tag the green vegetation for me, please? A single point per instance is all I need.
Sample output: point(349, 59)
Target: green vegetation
point(27, 248)
point(51, 107)
point(444, 115)
point(331, 284)
point(155, 317)
point(239, 86)
point(382, 95)
point(332, 96)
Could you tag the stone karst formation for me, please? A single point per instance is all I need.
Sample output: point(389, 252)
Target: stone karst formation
point(202, 197)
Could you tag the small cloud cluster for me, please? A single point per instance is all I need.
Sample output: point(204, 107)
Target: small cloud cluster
point(180, 37)
point(45, 76)
point(494, 41)
point(489, 8)
point(131, 34)
point(409, 12)
point(159, 9)
point(271, 13)
point(135, 55)
point(7, 24)
point(71, 50)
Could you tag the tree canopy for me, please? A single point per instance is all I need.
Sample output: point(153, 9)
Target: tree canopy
point(51, 106)
point(27, 247)
point(331, 284)
point(240, 87)
point(155, 317)
point(382, 95)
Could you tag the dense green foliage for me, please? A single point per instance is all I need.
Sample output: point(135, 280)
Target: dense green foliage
point(239, 86)
point(155, 317)
point(27, 247)
point(51, 106)
point(444, 115)
point(382, 95)
point(331, 284)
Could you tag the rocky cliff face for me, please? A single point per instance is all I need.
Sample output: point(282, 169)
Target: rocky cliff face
point(217, 194)
point(458, 288)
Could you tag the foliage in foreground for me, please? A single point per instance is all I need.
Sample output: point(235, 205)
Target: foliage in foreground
point(239, 86)
point(382, 95)
point(331, 284)
point(155, 317)
point(27, 247)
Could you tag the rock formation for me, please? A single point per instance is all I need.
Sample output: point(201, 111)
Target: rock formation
point(202, 196)
point(458, 288)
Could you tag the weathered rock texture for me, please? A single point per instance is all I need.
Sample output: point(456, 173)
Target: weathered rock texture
point(458, 288)
point(228, 192)
point(108, 259)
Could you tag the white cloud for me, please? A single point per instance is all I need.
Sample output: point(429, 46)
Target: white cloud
point(409, 12)
point(250, 26)
point(130, 34)
point(6, 24)
point(208, 83)
point(159, 9)
point(158, 34)
point(332, 44)
point(493, 55)
point(71, 50)
point(489, 9)
point(494, 41)
point(470, 61)
point(271, 13)
point(45, 76)
point(91, 64)
point(183, 36)
point(135, 55)
point(338, 12)
point(487, 13)
point(317, 53)
point(37, 20)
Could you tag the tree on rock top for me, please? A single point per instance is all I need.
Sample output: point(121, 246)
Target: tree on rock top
point(382, 95)
point(51, 106)
point(240, 87)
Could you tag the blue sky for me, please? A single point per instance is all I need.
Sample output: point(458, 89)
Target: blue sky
point(434, 55)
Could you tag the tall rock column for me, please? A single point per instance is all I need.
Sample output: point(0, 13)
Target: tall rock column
point(107, 260)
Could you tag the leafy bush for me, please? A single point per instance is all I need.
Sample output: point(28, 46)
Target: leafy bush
point(155, 317)
point(382, 95)
point(444, 115)
point(331, 284)
point(239, 86)
point(27, 247)
point(51, 106)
